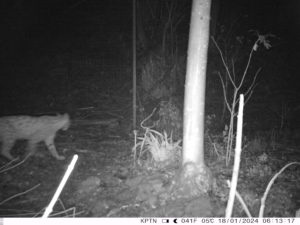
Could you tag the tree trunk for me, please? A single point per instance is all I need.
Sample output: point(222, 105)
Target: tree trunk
point(194, 100)
point(195, 178)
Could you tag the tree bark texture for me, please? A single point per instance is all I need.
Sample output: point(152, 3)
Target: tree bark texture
point(194, 100)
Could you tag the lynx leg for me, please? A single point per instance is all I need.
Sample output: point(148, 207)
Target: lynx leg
point(51, 146)
point(6, 147)
point(32, 147)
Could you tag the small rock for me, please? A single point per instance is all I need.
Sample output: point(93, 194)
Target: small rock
point(102, 207)
point(87, 188)
point(122, 173)
point(88, 185)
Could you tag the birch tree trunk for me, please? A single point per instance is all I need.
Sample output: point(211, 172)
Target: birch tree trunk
point(194, 100)
point(195, 178)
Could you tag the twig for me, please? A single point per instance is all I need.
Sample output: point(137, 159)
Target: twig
point(214, 145)
point(248, 64)
point(6, 168)
point(224, 63)
point(7, 164)
point(253, 82)
point(65, 212)
point(233, 69)
point(224, 92)
point(263, 199)
point(147, 118)
point(19, 194)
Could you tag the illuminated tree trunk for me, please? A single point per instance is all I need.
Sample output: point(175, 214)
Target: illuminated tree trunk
point(194, 100)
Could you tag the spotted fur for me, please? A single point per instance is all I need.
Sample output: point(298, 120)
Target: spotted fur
point(34, 130)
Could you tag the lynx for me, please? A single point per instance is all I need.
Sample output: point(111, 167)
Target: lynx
point(32, 129)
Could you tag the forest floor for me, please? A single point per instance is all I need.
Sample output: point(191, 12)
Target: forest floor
point(105, 182)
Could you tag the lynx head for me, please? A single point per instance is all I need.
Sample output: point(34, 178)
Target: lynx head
point(65, 119)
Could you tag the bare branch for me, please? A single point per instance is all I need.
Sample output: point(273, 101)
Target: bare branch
point(224, 63)
point(247, 66)
point(224, 92)
point(251, 87)
point(248, 97)
point(233, 69)
point(19, 194)
point(7, 166)
point(249, 92)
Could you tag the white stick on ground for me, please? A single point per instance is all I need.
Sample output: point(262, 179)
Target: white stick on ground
point(239, 197)
point(60, 187)
point(237, 159)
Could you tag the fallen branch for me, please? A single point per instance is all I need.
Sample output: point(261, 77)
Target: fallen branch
point(7, 166)
point(19, 194)
point(263, 199)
